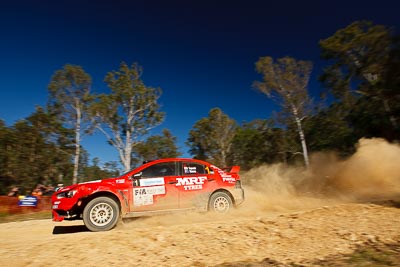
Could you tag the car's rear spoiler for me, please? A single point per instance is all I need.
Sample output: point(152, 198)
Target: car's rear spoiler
point(233, 169)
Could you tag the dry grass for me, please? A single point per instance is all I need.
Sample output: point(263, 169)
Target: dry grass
point(5, 217)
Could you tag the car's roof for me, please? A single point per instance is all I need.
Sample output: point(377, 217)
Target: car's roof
point(177, 159)
point(152, 162)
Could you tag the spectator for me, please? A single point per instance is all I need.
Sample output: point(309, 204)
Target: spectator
point(14, 192)
point(49, 190)
point(37, 192)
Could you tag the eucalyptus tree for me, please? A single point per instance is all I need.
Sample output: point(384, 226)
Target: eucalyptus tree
point(331, 129)
point(257, 142)
point(95, 171)
point(158, 146)
point(69, 99)
point(361, 65)
point(128, 112)
point(7, 157)
point(35, 150)
point(286, 81)
point(211, 137)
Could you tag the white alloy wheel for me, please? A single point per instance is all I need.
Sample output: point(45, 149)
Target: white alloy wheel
point(101, 214)
point(220, 202)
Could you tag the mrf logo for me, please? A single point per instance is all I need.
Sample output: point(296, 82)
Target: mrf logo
point(191, 183)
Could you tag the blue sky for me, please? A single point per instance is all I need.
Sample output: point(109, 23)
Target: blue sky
point(201, 53)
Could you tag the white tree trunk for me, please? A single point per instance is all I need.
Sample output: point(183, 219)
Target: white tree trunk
point(303, 143)
point(121, 147)
point(302, 137)
point(128, 152)
point(77, 145)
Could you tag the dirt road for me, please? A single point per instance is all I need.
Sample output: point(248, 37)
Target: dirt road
point(271, 239)
point(291, 217)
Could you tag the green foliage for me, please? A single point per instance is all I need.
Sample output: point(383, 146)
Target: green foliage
point(359, 53)
point(331, 130)
point(256, 143)
point(7, 158)
point(363, 77)
point(286, 81)
point(157, 147)
point(95, 172)
point(364, 71)
point(34, 151)
point(211, 137)
point(69, 100)
point(126, 114)
point(69, 90)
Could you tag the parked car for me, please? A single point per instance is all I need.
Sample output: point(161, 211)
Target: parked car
point(156, 187)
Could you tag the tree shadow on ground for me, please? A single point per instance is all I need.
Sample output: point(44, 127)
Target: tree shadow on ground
point(368, 254)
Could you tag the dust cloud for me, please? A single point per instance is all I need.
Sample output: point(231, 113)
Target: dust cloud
point(373, 172)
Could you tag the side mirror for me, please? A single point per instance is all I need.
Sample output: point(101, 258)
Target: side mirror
point(59, 187)
point(137, 175)
point(135, 179)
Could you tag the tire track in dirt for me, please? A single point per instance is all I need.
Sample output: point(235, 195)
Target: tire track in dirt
point(294, 237)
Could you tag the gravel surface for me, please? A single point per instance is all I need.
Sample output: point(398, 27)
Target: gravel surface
point(298, 237)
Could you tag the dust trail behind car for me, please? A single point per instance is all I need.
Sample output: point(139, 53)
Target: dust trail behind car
point(373, 172)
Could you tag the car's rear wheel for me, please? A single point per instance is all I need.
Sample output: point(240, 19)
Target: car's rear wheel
point(220, 202)
point(101, 214)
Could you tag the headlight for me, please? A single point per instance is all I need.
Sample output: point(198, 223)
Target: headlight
point(67, 194)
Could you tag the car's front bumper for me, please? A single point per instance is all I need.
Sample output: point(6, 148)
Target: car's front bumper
point(57, 217)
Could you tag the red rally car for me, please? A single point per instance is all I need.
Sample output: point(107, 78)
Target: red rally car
point(159, 186)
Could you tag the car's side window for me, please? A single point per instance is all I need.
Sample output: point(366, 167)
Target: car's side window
point(159, 170)
point(193, 168)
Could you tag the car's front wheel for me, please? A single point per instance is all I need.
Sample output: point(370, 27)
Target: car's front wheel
point(220, 202)
point(101, 214)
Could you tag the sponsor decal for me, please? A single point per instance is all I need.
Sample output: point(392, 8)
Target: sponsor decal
point(190, 169)
point(143, 200)
point(230, 180)
point(120, 181)
point(225, 177)
point(152, 181)
point(144, 196)
point(191, 183)
point(153, 190)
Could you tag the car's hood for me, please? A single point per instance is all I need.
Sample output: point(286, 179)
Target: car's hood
point(70, 187)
